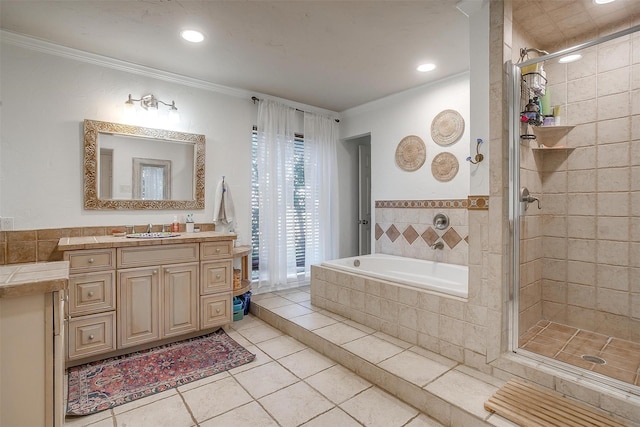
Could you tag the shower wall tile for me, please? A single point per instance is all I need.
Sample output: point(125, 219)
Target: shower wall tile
point(587, 66)
point(613, 204)
point(614, 106)
point(612, 82)
point(580, 272)
point(581, 250)
point(613, 155)
point(613, 277)
point(581, 295)
point(614, 179)
point(613, 228)
point(583, 135)
point(581, 181)
point(613, 56)
point(579, 203)
point(582, 158)
point(581, 90)
point(614, 130)
point(582, 112)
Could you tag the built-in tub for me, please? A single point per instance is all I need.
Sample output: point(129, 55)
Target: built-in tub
point(450, 279)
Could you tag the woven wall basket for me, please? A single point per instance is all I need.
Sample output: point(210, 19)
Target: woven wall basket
point(444, 167)
point(411, 153)
point(447, 127)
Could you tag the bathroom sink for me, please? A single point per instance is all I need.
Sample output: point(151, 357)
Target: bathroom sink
point(152, 235)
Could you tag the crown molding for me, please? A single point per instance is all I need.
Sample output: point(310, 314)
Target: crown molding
point(38, 45)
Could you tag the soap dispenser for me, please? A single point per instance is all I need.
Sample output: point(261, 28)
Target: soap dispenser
point(175, 225)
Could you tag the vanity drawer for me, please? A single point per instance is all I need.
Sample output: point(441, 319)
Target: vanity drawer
point(90, 260)
point(216, 277)
point(216, 250)
point(140, 256)
point(92, 292)
point(215, 310)
point(90, 335)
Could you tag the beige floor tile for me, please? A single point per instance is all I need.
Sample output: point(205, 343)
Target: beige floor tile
point(291, 311)
point(297, 296)
point(339, 333)
point(338, 383)
point(260, 359)
point(306, 363)
point(249, 321)
point(104, 418)
point(423, 420)
point(274, 302)
point(463, 391)
point(295, 404)
point(260, 333)
point(314, 321)
point(203, 381)
point(215, 398)
point(144, 401)
point(498, 421)
point(373, 348)
point(373, 407)
point(166, 412)
point(249, 415)
point(335, 417)
point(265, 379)
point(281, 346)
point(234, 335)
point(414, 368)
point(308, 305)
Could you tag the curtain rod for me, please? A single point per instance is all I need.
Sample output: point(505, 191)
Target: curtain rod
point(256, 99)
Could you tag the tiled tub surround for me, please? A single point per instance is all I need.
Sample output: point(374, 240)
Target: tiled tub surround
point(430, 320)
point(580, 254)
point(25, 246)
point(405, 228)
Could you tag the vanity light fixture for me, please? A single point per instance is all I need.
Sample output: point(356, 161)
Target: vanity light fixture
point(603, 1)
point(570, 58)
point(150, 103)
point(192, 36)
point(423, 68)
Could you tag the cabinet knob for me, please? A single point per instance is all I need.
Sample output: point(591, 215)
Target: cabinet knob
point(218, 276)
point(155, 272)
point(91, 260)
point(217, 310)
point(218, 250)
point(91, 337)
point(90, 294)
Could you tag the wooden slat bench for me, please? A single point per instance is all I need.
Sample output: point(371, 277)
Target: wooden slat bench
point(531, 405)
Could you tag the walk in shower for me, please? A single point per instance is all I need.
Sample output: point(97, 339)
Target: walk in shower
point(575, 207)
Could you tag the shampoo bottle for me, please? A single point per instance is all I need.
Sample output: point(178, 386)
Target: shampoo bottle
point(175, 225)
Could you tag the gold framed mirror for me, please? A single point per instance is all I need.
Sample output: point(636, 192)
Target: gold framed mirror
point(133, 167)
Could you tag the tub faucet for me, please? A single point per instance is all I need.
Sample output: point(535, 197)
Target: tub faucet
point(437, 245)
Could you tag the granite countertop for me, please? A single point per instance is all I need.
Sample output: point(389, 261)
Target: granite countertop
point(37, 278)
point(98, 242)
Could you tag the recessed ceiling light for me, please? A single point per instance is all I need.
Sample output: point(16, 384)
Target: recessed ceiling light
point(192, 36)
point(570, 58)
point(603, 1)
point(426, 67)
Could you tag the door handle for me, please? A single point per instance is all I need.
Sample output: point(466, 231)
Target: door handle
point(363, 222)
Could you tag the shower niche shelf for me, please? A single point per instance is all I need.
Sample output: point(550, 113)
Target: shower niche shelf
point(552, 136)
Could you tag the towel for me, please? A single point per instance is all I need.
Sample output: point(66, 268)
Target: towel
point(223, 211)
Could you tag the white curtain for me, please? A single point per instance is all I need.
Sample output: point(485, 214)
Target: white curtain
point(289, 227)
point(321, 178)
point(274, 158)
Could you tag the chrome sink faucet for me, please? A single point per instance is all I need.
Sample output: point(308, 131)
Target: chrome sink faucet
point(149, 228)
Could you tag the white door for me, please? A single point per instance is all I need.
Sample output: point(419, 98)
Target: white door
point(364, 210)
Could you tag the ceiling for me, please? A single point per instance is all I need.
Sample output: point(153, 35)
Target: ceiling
point(329, 54)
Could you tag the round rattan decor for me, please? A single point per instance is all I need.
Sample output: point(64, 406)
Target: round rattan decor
point(411, 153)
point(444, 167)
point(447, 127)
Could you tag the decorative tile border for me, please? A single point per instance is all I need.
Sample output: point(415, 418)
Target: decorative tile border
point(471, 203)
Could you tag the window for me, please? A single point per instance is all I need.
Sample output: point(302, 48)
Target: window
point(296, 216)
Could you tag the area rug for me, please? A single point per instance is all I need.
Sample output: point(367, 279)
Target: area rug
point(103, 384)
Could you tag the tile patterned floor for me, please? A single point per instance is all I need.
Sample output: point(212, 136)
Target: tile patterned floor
point(568, 344)
point(288, 384)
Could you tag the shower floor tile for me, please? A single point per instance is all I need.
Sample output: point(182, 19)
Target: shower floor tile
point(568, 344)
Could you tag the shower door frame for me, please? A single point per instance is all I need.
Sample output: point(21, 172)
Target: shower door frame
point(516, 210)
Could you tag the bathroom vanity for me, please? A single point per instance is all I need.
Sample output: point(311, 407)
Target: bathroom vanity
point(32, 344)
point(126, 294)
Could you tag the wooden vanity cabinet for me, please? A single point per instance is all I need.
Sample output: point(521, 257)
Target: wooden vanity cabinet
point(130, 296)
point(92, 302)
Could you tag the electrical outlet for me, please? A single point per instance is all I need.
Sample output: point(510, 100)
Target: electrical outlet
point(6, 224)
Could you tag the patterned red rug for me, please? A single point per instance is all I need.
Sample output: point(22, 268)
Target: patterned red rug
point(101, 385)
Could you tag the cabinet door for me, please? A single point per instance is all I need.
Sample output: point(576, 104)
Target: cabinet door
point(92, 293)
point(180, 299)
point(216, 276)
point(216, 310)
point(139, 306)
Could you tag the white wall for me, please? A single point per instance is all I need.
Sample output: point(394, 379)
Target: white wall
point(45, 98)
point(410, 113)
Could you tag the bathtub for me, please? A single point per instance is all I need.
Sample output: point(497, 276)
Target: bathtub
point(449, 279)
